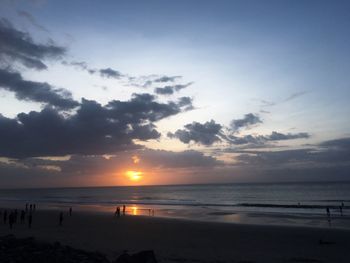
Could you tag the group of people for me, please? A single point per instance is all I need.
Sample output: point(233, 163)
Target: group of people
point(117, 211)
point(11, 217)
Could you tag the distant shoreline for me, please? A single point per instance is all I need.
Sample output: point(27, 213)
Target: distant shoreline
point(175, 185)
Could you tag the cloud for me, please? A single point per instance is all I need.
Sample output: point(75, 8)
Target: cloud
point(32, 20)
point(92, 129)
point(169, 90)
point(104, 72)
point(325, 154)
point(110, 73)
point(212, 132)
point(295, 95)
point(247, 121)
point(18, 46)
point(276, 136)
point(41, 92)
point(255, 140)
point(167, 79)
point(206, 134)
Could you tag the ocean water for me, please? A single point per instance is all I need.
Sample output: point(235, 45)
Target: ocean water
point(224, 202)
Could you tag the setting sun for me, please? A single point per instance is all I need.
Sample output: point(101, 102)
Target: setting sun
point(134, 175)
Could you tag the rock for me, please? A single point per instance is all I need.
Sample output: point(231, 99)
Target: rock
point(28, 250)
point(146, 256)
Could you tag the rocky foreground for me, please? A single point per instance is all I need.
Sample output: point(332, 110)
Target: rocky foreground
point(29, 250)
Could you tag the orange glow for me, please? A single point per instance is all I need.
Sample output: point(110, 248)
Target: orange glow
point(134, 175)
point(134, 210)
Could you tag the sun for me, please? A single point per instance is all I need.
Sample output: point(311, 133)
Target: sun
point(134, 175)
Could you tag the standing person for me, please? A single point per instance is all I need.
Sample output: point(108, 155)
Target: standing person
point(5, 216)
point(70, 211)
point(22, 216)
point(15, 215)
point(34, 207)
point(118, 211)
point(124, 208)
point(341, 210)
point(61, 218)
point(328, 216)
point(11, 219)
point(30, 220)
point(30, 208)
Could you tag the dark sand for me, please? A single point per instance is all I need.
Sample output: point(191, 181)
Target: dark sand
point(176, 240)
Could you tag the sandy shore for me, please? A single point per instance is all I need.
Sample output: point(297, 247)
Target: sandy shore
point(176, 240)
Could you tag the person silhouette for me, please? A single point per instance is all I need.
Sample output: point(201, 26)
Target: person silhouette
point(15, 215)
point(328, 215)
point(341, 210)
point(5, 216)
point(30, 220)
point(61, 218)
point(70, 211)
point(22, 216)
point(11, 219)
point(124, 208)
point(118, 211)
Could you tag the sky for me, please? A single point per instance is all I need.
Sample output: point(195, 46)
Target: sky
point(173, 92)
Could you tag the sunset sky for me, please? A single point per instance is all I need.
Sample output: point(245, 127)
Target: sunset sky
point(173, 92)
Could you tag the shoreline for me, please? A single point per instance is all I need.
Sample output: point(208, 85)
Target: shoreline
point(178, 240)
point(207, 214)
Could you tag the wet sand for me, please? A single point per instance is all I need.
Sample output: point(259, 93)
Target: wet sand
point(175, 240)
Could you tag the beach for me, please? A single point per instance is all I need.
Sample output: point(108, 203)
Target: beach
point(178, 240)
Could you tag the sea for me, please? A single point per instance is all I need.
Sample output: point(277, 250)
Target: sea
point(269, 203)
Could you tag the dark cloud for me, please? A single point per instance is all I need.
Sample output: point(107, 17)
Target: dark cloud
point(255, 140)
point(104, 72)
point(78, 64)
point(169, 90)
point(328, 153)
point(167, 79)
point(18, 46)
point(211, 132)
point(93, 129)
point(206, 134)
point(276, 136)
point(149, 159)
point(110, 73)
point(41, 92)
point(247, 121)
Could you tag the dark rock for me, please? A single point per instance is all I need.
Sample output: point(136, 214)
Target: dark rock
point(28, 250)
point(146, 256)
